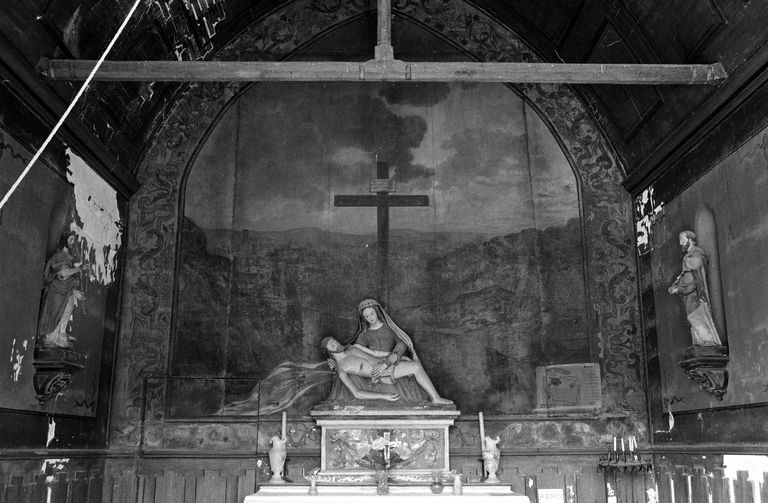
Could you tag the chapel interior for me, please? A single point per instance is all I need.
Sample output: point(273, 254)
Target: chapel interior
point(577, 251)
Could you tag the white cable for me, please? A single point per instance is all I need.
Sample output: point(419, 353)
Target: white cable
point(71, 106)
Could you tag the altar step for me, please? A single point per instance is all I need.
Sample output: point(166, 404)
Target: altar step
point(298, 493)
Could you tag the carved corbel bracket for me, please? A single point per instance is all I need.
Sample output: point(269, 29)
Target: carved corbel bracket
point(707, 366)
point(54, 368)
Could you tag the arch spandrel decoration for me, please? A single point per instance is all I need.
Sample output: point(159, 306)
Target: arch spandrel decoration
point(154, 216)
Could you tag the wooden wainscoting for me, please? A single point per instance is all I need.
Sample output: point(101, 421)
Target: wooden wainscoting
point(54, 478)
point(712, 478)
point(186, 477)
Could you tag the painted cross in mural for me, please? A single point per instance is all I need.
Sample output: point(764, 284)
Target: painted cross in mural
point(382, 186)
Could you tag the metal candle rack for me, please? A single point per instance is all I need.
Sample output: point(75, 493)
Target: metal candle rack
point(624, 460)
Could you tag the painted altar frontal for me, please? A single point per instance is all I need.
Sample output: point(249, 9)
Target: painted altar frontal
point(412, 445)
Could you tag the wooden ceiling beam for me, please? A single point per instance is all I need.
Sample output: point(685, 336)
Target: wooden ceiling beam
point(389, 70)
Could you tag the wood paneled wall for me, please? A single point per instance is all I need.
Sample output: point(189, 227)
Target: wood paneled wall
point(199, 478)
point(60, 480)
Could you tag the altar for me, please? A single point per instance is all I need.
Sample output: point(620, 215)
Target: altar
point(399, 494)
point(359, 443)
point(384, 432)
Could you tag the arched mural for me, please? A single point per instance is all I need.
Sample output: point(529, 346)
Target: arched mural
point(611, 315)
point(488, 278)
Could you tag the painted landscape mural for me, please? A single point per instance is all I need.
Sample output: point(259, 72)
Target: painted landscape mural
point(487, 279)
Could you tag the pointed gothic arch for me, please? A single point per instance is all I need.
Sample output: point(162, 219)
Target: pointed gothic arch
point(153, 230)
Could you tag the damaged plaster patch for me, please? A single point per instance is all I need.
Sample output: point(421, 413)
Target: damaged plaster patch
point(648, 213)
point(51, 431)
point(49, 468)
point(755, 465)
point(99, 225)
point(57, 465)
point(17, 357)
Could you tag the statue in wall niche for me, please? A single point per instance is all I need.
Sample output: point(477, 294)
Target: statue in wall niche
point(705, 361)
point(357, 360)
point(61, 293)
point(691, 285)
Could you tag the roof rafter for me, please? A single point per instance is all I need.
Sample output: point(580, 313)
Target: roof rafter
point(385, 68)
point(377, 70)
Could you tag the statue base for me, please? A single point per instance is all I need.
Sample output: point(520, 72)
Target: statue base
point(357, 441)
point(706, 365)
point(54, 368)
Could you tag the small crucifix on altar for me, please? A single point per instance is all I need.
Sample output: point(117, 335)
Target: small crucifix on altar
point(382, 186)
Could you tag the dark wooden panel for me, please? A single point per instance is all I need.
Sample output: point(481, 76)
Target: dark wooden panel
point(628, 107)
point(719, 487)
point(246, 484)
point(764, 489)
point(14, 489)
point(590, 486)
point(679, 29)
point(745, 118)
point(552, 17)
point(742, 488)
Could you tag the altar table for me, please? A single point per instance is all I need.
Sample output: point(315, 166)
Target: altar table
point(399, 494)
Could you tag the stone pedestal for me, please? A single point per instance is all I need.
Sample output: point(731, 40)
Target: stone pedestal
point(353, 444)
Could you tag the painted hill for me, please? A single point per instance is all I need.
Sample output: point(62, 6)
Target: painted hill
point(248, 300)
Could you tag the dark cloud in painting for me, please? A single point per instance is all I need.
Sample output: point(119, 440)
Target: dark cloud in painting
point(418, 94)
point(303, 132)
point(285, 150)
point(378, 130)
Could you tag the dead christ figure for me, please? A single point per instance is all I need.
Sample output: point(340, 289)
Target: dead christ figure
point(360, 361)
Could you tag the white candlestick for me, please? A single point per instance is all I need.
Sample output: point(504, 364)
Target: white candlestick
point(622, 444)
point(482, 430)
point(614, 444)
point(284, 429)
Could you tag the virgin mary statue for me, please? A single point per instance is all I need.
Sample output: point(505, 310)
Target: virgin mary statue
point(377, 331)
